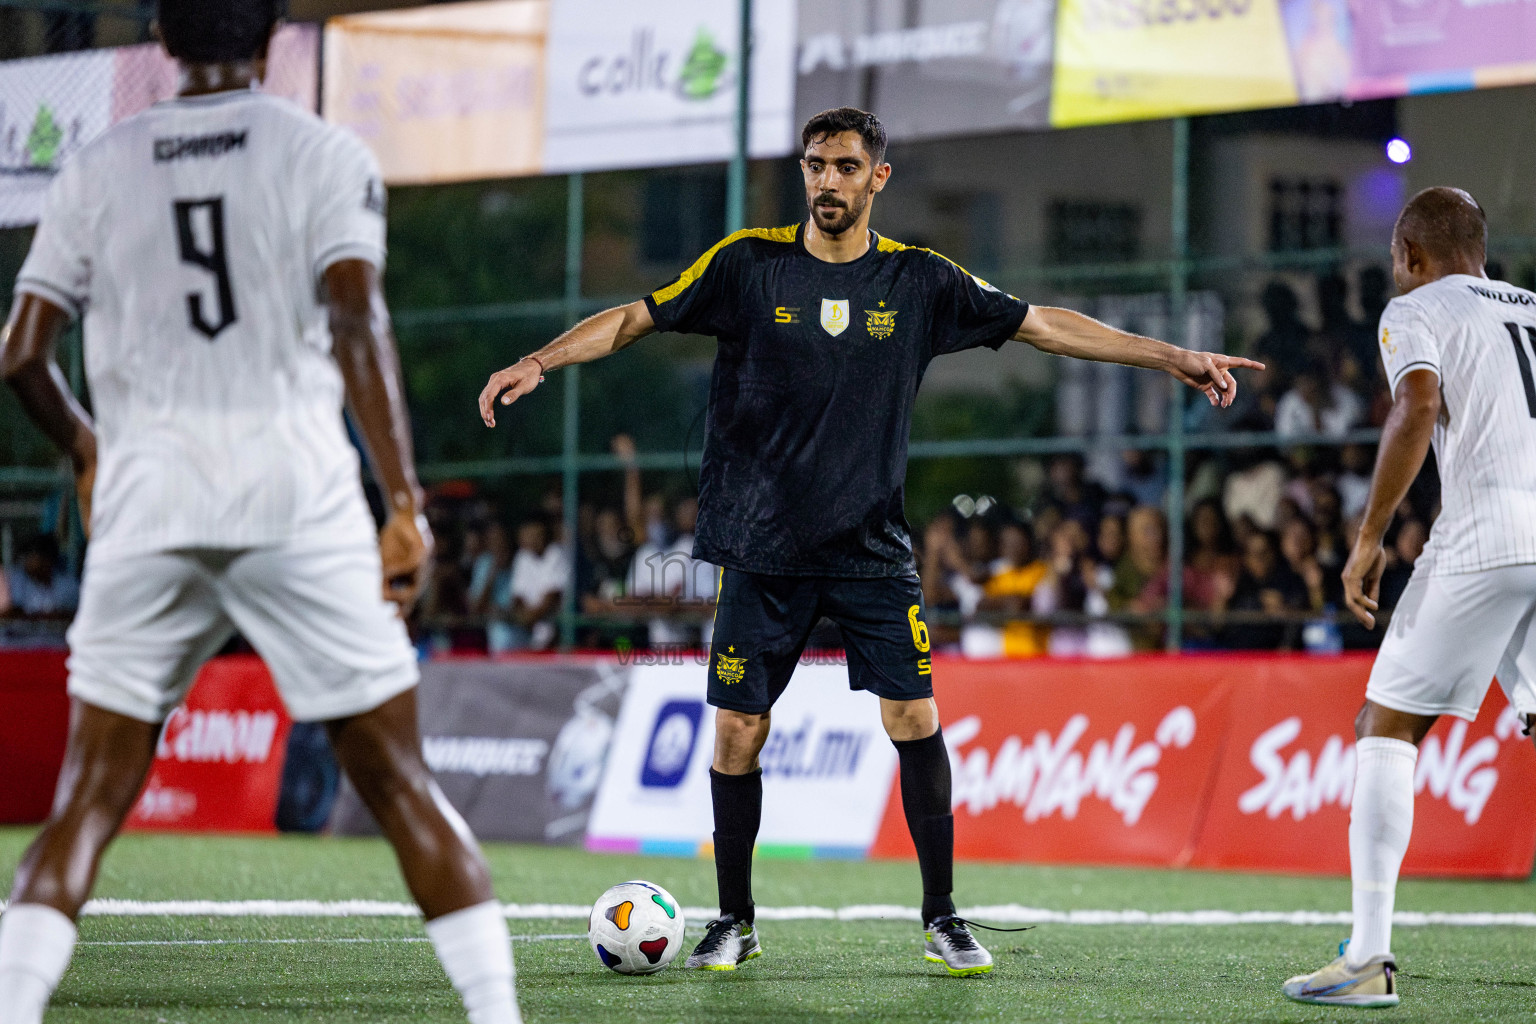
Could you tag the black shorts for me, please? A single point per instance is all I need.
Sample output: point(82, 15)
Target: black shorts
point(762, 623)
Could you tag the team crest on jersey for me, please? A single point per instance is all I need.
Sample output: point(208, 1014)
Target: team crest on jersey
point(882, 323)
point(1386, 340)
point(834, 316)
point(730, 670)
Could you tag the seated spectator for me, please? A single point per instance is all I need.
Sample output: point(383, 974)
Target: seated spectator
point(1266, 585)
point(1328, 522)
point(1401, 556)
point(677, 584)
point(1144, 477)
point(1253, 488)
point(1076, 497)
point(608, 555)
point(1074, 583)
point(537, 582)
point(1109, 541)
point(1209, 547)
point(1009, 590)
point(1354, 480)
point(1146, 553)
point(1318, 404)
point(1298, 545)
point(490, 570)
point(942, 561)
point(40, 587)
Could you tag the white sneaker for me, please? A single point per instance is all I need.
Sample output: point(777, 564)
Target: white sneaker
point(950, 942)
point(727, 944)
point(1341, 983)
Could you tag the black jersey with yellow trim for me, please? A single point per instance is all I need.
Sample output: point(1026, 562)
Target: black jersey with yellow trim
point(810, 402)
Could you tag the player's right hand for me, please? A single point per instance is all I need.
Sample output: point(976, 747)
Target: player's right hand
point(508, 385)
point(405, 548)
point(1362, 580)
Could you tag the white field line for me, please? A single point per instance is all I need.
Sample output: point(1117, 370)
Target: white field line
point(304, 942)
point(1011, 913)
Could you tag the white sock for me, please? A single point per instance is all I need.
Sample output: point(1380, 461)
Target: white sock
point(36, 943)
point(1380, 822)
point(476, 951)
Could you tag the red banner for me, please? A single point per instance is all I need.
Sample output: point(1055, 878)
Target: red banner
point(219, 765)
point(1222, 761)
point(34, 722)
point(1281, 800)
point(1076, 761)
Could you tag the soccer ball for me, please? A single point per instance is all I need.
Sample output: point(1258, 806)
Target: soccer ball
point(636, 928)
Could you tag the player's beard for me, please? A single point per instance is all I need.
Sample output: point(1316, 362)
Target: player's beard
point(845, 217)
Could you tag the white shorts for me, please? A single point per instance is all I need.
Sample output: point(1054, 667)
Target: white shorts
point(316, 614)
point(1449, 637)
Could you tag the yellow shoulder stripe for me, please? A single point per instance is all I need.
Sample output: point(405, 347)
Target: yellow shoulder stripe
point(696, 271)
point(890, 245)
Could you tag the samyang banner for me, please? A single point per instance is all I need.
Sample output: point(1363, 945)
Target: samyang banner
point(52, 106)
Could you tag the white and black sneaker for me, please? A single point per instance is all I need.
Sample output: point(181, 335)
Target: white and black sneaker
point(726, 944)
point(950, 942)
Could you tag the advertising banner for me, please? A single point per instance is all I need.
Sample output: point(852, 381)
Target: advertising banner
point(827, 767)
point(219, 763)
point(34, 721)
point(518, 746)
point(1344, 50)
point(450, 92)
point(1118, 61)
point(644, 83)
point(1282, 794)
point(928, 69)
point(52, 106)
point(1074, 762)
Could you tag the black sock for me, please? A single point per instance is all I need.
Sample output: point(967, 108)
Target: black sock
point(738, 803)
point(925, 796)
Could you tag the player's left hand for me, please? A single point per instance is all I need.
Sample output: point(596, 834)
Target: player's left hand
point(1362, 579)
point(405, 548)
point(508, 385)
point(1210, 373)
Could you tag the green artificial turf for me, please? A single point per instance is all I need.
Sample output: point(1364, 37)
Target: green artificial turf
point(812, 971)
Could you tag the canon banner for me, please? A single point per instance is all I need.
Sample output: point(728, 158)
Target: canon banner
point(518, 746)
point(52, 106)
point(929, 69)
point(219, 764)
point(827, 767)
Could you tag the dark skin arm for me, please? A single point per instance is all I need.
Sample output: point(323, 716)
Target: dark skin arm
point(364, 347)
point(29, 364)
point(1404, 444)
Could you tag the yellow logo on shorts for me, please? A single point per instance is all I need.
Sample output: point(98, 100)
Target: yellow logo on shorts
point(730, 670)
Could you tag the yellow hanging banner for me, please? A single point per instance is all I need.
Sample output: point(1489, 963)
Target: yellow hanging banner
point(1125, 60)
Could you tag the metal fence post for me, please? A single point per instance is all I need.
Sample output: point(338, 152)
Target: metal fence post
point(1178, 304)
point(736, 177)
point(570, 469)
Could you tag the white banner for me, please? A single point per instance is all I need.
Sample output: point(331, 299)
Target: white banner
point(52, 106)
point(827, 767)
point(49, 108)
point(632, 83)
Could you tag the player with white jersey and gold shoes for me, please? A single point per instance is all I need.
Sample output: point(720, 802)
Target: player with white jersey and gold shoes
point(1460, 355)
point(224, 250)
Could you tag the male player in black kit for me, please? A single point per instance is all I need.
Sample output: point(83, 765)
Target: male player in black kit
point(825, 329)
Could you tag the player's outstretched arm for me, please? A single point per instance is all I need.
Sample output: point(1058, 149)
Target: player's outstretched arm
point(601, 334)
point(28, 364)
point(1065, 333)
point(1405, 442)
point(364, 346)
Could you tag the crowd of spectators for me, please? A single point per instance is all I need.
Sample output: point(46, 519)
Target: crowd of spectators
point(1079, 568)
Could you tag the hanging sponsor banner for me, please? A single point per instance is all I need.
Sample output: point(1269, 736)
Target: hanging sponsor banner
point(450, 92)
point(52, 106)
point(644, 83)
point(1281, 800)
point(928, 70)
point(219, 762)
point(1118, 61)
point(517, 746)
point(34, 721)
point(1066, 762)
point(1395, 47)
point(827, 767)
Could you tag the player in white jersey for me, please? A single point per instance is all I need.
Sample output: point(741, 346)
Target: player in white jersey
point(224, 251)
point(1459, 351)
